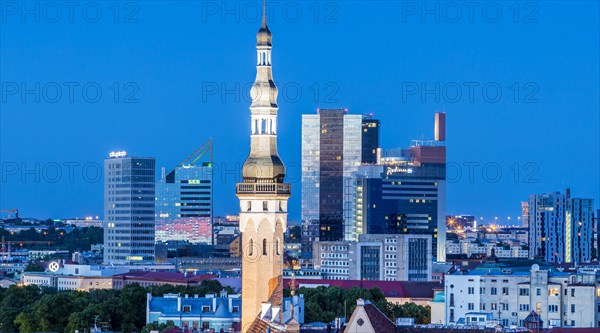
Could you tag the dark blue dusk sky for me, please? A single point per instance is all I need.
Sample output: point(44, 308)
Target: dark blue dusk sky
point(183, 67)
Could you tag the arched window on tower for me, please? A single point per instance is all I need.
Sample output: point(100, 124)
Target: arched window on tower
point(264, 246)
point(277, 247)
point(251, 247)
point(264, 59)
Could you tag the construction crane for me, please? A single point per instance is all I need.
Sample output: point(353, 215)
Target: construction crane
point(195, 156)
point(13, 211)
point(6, 245)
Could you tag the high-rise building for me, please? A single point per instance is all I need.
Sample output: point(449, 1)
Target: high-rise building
point(560, 227)
point(399, 197)
point(370, 139)
point(405, 193)
point(334, 145)
point(184, 206)
point(129, 208)
point(263, 196)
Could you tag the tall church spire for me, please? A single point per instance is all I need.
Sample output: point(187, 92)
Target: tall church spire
point(263, 194)
point(263, 164)
point(264, 18)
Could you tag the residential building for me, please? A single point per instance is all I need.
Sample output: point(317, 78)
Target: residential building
point(400, 257)
point(509, 294)
point(129, 208)
point(219, 313)
point(560, 227)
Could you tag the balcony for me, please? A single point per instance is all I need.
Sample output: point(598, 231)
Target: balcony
point(263, 188)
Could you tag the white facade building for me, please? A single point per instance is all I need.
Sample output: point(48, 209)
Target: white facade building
point(509, 295)
point(398, 257)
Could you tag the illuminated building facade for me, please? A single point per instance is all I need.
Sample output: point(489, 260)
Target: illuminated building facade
point(399, 197)
point(129, 208)
point(184, 203)
point(334, 145)
point(560, 227)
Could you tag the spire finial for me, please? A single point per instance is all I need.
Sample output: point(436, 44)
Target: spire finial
point(264, 18)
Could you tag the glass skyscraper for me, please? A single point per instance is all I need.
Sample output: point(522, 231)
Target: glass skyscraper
point(403, 197)
point(332, 151)
point(184, 206)
point(129, 208)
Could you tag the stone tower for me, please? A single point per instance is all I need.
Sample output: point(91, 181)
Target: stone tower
point(263, 195)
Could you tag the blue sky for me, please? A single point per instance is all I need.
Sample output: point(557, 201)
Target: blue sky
point(519, 84)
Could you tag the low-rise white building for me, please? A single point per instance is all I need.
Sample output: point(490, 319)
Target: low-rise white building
point(398, 257)
point(508, 295)
point(74, 277)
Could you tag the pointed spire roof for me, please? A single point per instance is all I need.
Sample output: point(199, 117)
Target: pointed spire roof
point(264, 37)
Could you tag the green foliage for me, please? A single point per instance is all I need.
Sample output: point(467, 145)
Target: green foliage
point(31, 309)
point(157, 327)
point(34, 266)
point(16, 299)
point(324, 304)
point(79, 239)
point(206, 287)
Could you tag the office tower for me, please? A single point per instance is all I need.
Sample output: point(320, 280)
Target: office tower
point(405, 194)
point(334, 144)
point(375, 257)
point(263, 199)
point(560, 227)
point(129, 208)
point(370, 139)
point(184, 206)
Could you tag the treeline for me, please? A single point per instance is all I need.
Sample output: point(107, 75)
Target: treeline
point(32, 309)
point(79, 239)
point(324, 304)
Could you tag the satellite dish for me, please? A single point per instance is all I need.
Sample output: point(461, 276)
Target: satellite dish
point(535, 267)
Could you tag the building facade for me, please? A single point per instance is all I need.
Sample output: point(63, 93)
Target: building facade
point(129, 208)
point(184, 205)
point(401, 197)
point(560, 227)
point(375, 257)
point(508, 295)
point(219, 313)
point(334, 145)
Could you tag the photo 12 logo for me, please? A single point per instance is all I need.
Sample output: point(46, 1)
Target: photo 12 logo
point(68, 92)
point(69, 11)
point(469, 11)
point(287, 12)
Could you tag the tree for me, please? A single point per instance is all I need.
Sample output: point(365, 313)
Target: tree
point(34, 266)
point(16, 299)
point(158, 327)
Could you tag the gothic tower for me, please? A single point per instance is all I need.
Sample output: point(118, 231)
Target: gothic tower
point(263, 194)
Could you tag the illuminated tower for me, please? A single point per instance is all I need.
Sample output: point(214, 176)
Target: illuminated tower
point(263, 196)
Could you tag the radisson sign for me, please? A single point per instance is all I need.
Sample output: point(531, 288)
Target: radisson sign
point(397, 169)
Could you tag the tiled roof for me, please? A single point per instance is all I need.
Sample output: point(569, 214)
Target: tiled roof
point(172, 277)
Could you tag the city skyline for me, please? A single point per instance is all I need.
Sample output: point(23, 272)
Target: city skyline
point(179, 87)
